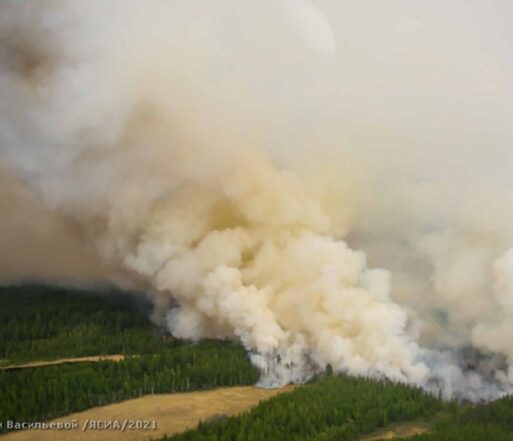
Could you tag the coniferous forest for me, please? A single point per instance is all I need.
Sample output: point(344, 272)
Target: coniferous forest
point(43, 323)
point(341, 408)
point(47, 392)
point(484, 422)
point(331, 409)
point(40, 323)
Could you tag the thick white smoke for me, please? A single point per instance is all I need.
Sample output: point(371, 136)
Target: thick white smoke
point(233, 157)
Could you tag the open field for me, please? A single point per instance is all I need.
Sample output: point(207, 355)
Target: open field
point(92, 359)
point(173, 413)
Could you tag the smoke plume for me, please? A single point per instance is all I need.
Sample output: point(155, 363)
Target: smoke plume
point(325, 185)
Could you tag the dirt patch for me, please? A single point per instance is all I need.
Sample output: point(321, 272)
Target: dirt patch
point(400, 431)
point(35, 364)
point(172, 413)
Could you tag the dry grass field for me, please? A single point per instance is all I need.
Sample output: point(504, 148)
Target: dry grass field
point(35, 364)
point(172, 413)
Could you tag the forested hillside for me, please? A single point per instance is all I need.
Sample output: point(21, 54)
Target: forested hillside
point(341, 408)
point(41, 323)
point(46, 323)
point(335, 408)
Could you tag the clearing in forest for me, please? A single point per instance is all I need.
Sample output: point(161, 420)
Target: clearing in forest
point(35, 364)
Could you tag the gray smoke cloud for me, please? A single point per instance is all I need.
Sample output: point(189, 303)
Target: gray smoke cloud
point(326, 182)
